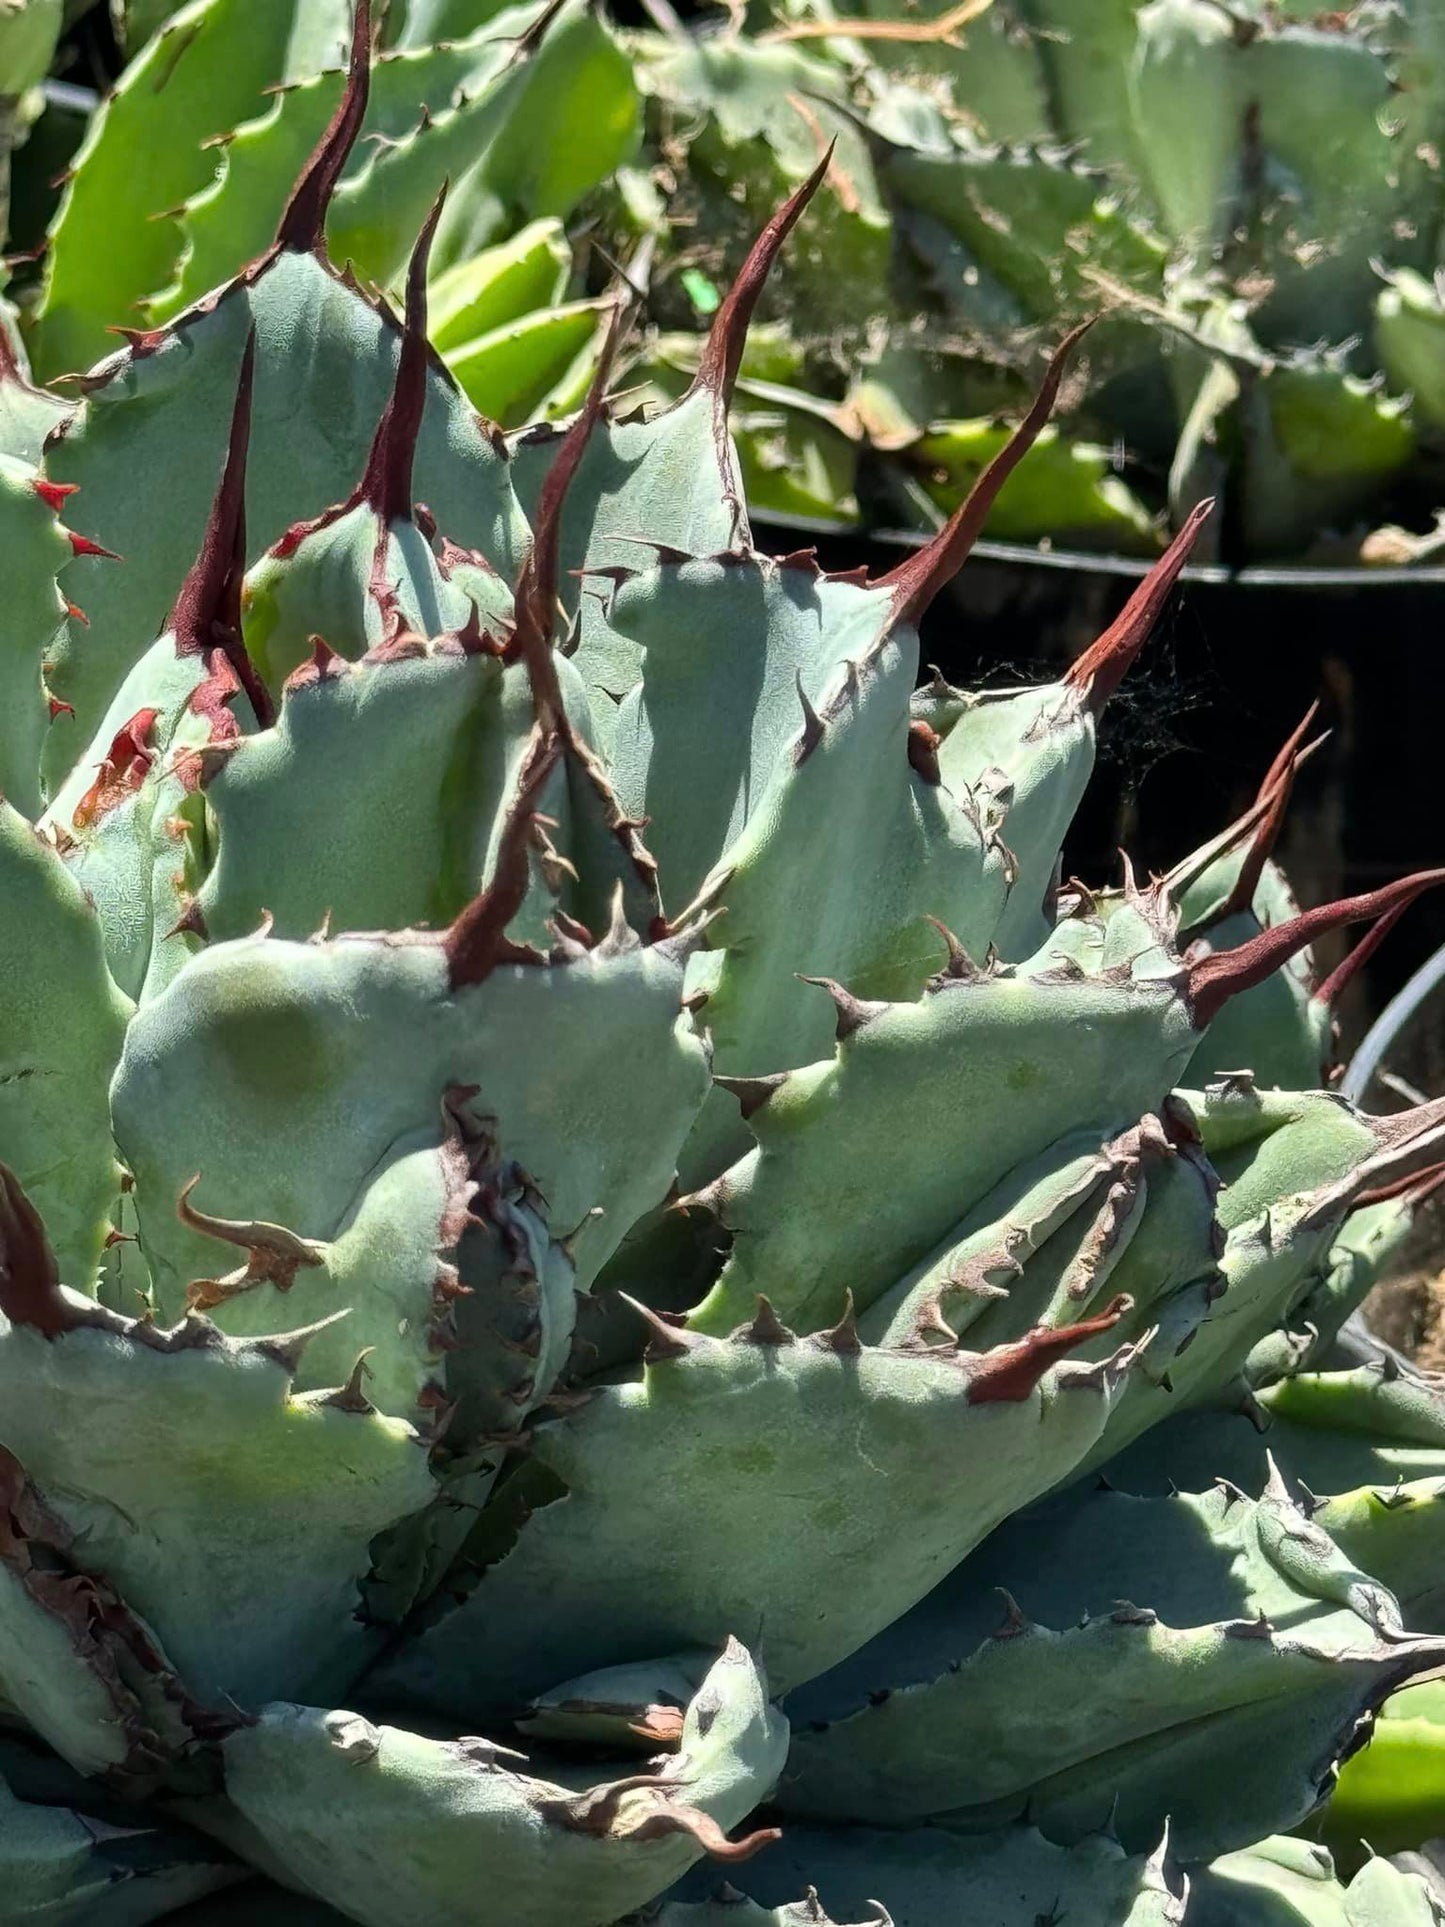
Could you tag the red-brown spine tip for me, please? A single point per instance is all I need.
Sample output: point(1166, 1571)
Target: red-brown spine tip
point(1289, 756)
point(303, 223)
point(1275, 803)
point(1009, 1373)
point(723, 351)
point(1214, 979)
point(1416, 1186)
point(1104, 664)
point(30, 1293)
point(387, 483)
point(916, 581)
point(1345, 972)
point(536, 593)
point(55, 495)
point(83, 545)
point(477, 941)
point(207, 617)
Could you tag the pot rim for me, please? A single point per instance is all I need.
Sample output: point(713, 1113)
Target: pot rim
point(1124, 567)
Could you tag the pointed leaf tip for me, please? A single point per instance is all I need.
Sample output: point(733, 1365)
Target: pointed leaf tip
point(1345, 972)
point(1009, 1373)
point(1214, 979)
point(477, 942)
point(206, 619)
point(1288, 758)
point(1274, 802)
point(303, 222)
point(387, 483)
point(723, 351)
point(1105, 663)
point(536, 593)
point(916, 581)
point(30, 1293)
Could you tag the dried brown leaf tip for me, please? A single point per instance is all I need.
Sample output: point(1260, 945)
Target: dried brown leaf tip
point(916, 581)
point(387, 482)
point(1214, 979)
point(723, 352)
point(1098, 672)
point(206, 619)
point(303, 223)
point(1011, 1372)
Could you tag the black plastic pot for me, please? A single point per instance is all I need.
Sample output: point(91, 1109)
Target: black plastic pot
point(1235, 663)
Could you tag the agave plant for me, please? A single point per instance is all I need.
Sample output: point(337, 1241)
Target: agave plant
point(986, 179)
point(1230, 181)
point(577, 1196)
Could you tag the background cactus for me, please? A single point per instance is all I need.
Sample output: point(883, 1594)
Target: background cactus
point(570, 1172)
point(1249, 194)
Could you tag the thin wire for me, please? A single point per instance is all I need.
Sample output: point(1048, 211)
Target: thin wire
point(1386, 1028)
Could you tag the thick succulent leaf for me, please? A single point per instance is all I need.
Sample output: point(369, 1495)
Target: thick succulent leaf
point(1344, 187)
point(396, 1828)
point(326, 365)
point(1318, 445)
point(581, 72)
point(1389, 1793)
point(64, 1027)
point(128, 819)
point(145, 153)
point(242, 1906)
point(1335, 1431)
point(79, 1668)
point(1011, 1878)
point(967, 1438)
point(33, 550)
point(1408, 316)
point(663, 481)
point(1284, 1198)
point(1082, 1223)
point(201, 1482)
point(941, 1099)
point(289, 1069)
point(822, 670)
point(1064, 488)
point(527, 271)
point(66, 1868)
point(29, 415)
point(1292, 1883)
point(1279, 1031)
point(1030, 753)
point(415, 753)
point(1398, 1529)
point(1086, 59)
point(1208, 1621)
point(362, 576)
point(1372, 1240)
point(701, 739)
point(389, 1271)
point(532, 368)
point(992, 68)
point(1272, 1144)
